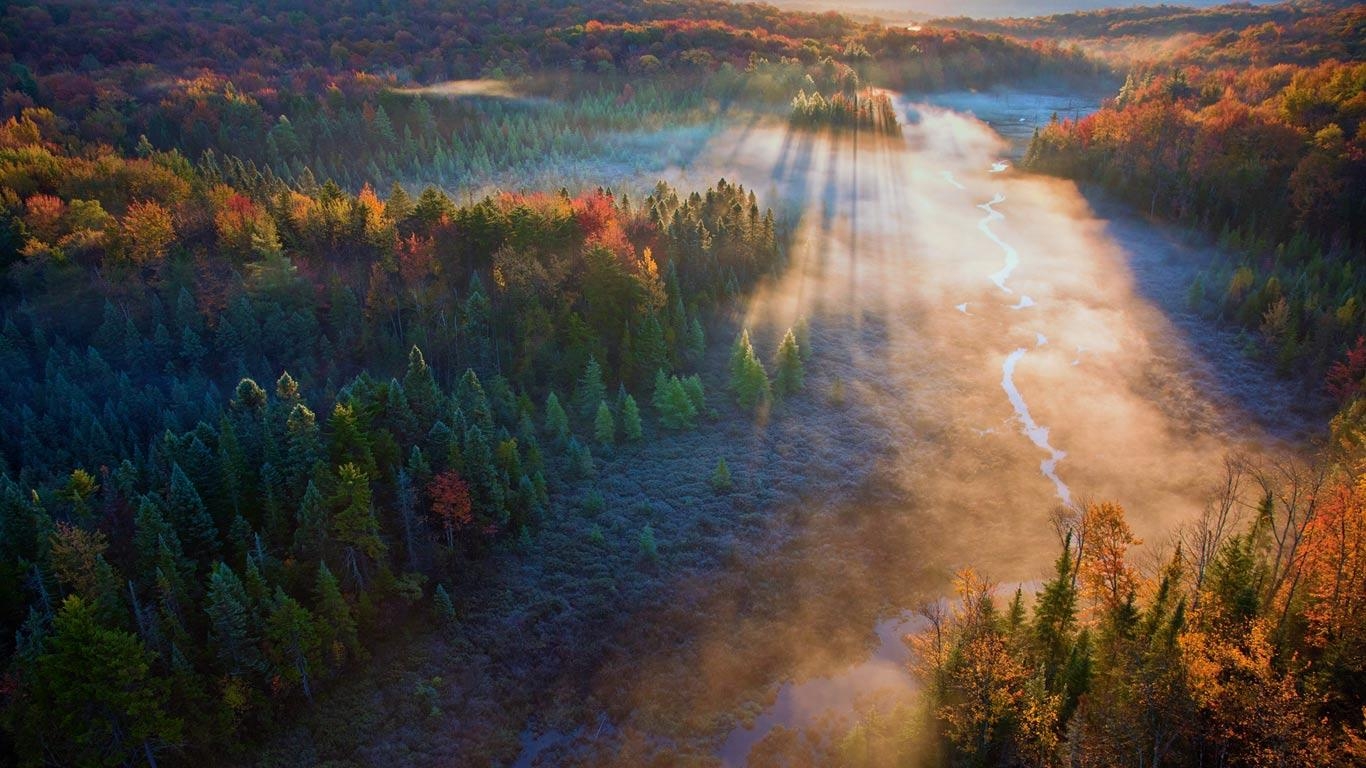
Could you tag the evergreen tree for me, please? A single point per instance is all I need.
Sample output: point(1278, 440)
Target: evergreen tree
point(231, 634)
point(790, 374)
point(337, 628)
point(676, 410)
point(649, 351)
point(692, 387)
point(399, 206)
point(695, 341)
point(310, 533)
point(292, 642)
point(720, 479)
point(354, 525)
point(590, 391)
point(190, 517)
point(748, 378)
point(630, 419)
point(556, 420)
point(649, 550)
point(442, 605)
point(151, 532)
point(604, 427)
point(1055, 615)
point(91, 698)
point(350, 440)
point(473, 401)
point(419, 385)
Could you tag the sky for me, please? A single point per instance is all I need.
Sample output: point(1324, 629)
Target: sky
point(925, 9)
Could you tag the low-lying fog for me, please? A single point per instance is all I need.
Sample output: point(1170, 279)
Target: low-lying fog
point(994, 330)
point(987, 347)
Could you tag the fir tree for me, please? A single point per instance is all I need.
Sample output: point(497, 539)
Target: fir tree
point(1055, 615)
point(790, 374)
point(604, 427)
point(442, 605)
point(91, 698)
point(230, 622)
point(649, 550)
point(292, 642)
point(630, 419)
point(590, 391)
point(336, 625)
point(556, 420)
point(720, 479)
point(190, 517)
point(424, 397)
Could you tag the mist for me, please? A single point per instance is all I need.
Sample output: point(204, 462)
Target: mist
point(987, 347)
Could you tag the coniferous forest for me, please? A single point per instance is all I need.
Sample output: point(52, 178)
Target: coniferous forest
point(554, 383)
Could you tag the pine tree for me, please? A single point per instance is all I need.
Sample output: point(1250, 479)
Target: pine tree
point(442, 605)
point(604, 427)
point(649, 550)
point(419, 385)
point(399, 206)
point(660, 392)
point(354, 526)
point(630, 419)
point(473, 401)
point(649, 351)
point(350, 440)
point(152, 531)
point(310, 533)
point(1055, 615)
point(91, 698)
point(303, 451)
point(676, 409)
point(790, 374)
point(720, 479)
point(590, 391)
point(292, 642)
point(695, 341)
point(802, 332)
point(748, 378)
point(191, 519)
point(556, 420)
point(336, 625)
point(231, 634)
point(692, 386)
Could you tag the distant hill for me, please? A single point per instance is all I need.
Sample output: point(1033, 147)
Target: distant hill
point(891, 10)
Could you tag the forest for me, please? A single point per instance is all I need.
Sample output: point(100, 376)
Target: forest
point(1254, 136)
point(322, 323)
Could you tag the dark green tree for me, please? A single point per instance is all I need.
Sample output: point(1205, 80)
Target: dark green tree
point(91, 699)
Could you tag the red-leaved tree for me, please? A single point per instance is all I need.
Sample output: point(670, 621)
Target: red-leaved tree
point(450, 497)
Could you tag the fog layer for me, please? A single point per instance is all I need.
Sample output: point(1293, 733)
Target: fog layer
point(983, 340)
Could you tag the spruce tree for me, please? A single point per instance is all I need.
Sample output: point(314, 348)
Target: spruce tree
point(337, 625)
point(231, 634)
point(419, 385)
point(556, 420)
point(676, 410)
point(720, 479)
point(1055, 615)
point(630, 419)
point(590, 391)
point(85, 668)
point(191, 519)
point(293, 642)
point(604, 427)
point(353, 524)
point(442, 605)
point(790, 374)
